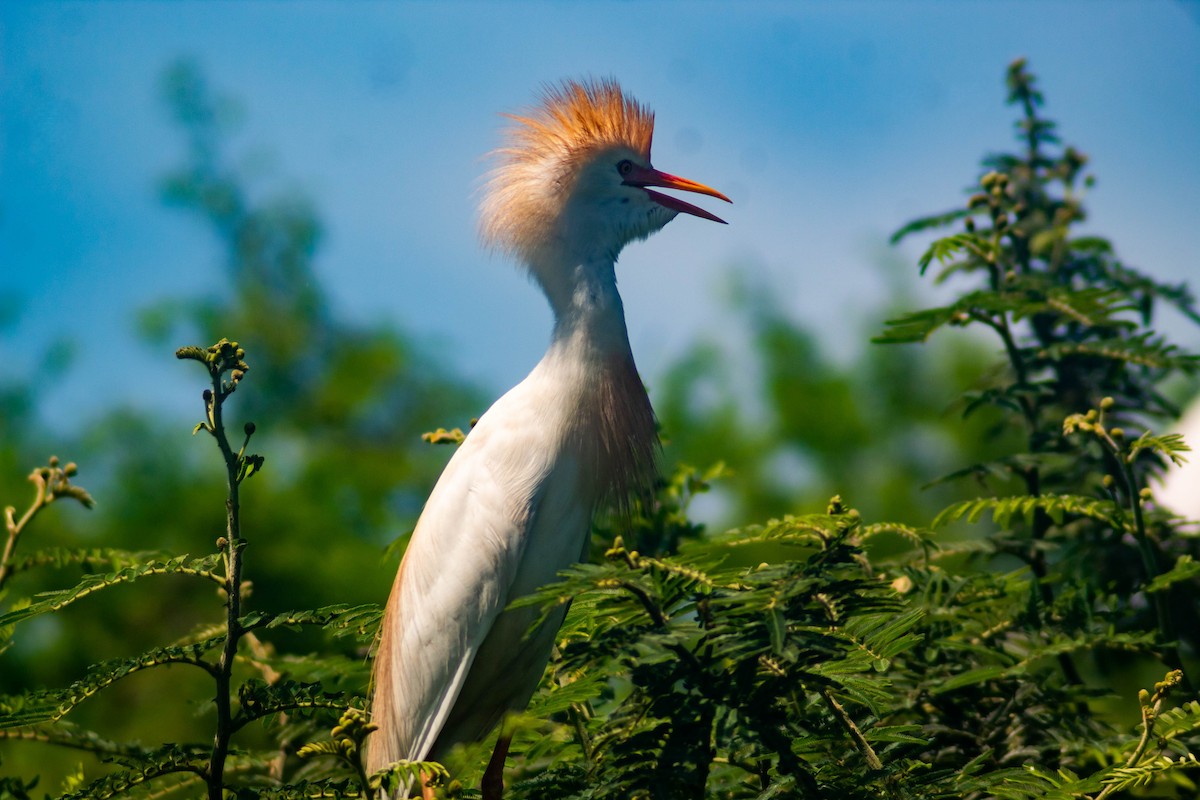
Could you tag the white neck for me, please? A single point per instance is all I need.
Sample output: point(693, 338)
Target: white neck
point(588, 313)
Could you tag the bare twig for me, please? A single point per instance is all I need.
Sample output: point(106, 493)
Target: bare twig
point(50, 483)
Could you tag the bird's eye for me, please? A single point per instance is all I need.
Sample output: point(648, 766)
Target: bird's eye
point(624, 168)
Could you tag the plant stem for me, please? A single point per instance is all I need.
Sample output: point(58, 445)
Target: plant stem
point(1149, 715)
point(51, 482)
point(860, 741)
point(15, 526)
point(233, 604)
point(1150, 560)
point(1041, 522)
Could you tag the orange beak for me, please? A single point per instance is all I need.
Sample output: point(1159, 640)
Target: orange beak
point(642, 177)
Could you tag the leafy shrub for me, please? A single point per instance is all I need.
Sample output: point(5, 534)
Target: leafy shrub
point(993, 653)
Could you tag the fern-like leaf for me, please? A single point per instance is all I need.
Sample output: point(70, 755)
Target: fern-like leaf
point(57, 600)
point(40, 707)
point(1055, 506)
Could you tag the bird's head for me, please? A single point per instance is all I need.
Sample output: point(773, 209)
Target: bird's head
point(574, 178)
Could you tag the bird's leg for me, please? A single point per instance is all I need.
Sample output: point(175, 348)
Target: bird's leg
point(427, 787)
point(492, 784)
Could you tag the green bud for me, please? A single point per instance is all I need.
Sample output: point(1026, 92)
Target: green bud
point(249, 428)
point(1106, 403)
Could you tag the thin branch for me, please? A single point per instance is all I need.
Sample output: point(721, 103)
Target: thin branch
point(1151, 705)
point(860, 741)
point(50, 483)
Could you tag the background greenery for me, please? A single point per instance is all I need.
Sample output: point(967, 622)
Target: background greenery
point(1020, 643)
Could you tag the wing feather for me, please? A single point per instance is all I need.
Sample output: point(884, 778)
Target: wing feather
point(455, 579)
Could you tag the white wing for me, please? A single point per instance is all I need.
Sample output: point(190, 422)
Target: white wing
point(505, 516)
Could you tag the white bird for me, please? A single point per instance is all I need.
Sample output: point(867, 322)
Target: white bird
point(514, 505)
point(1180, 484)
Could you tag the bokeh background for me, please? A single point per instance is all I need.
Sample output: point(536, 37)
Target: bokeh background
point(302, 177)
point(830, 124)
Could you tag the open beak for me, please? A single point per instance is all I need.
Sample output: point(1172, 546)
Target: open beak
point(643, 177)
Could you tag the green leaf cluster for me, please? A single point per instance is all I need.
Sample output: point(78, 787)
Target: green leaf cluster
point(987, 643)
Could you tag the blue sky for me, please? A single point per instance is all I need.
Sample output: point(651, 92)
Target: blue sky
point(829, 124)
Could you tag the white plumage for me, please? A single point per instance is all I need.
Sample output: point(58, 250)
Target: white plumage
point(514, 505)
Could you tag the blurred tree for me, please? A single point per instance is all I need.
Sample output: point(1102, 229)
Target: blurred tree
point(795, 425)
point(339, 406)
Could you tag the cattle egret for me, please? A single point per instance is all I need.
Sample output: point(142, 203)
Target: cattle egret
point(514, 505)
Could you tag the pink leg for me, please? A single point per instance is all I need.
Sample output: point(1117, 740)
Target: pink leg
point(493, 777)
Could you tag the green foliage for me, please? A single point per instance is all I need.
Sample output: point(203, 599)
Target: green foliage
point(339, 408)
point(984, 645)
point(967, 664)
point(289, 704)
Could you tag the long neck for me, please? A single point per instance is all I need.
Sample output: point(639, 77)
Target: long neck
point(588, 313)
point(612, 423)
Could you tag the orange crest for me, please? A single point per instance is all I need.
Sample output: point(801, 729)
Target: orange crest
point(542, 153)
